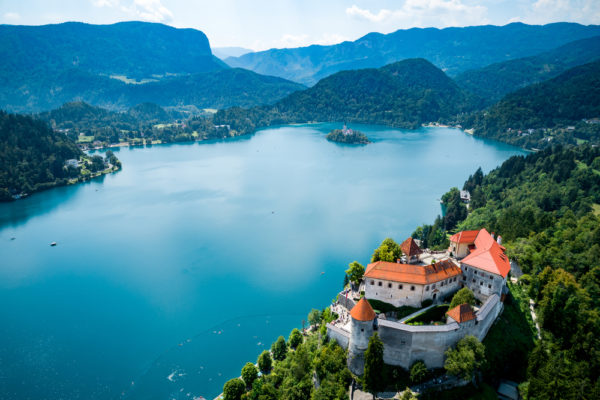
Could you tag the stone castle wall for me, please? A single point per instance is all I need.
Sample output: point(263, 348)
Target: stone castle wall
point(404, 344)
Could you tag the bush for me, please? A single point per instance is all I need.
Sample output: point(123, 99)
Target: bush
point(249, 374)
point(418, 372)
point(233, 389)
point(464, 295)
point(295, 338)
point(279, 349)
point(265, 363)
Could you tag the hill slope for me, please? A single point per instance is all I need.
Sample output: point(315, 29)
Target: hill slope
point(491, 83)
point(217, 89)
point(120, 65)
point(132, 49)
point(32, 156)
point(454, 50)
point(404, 94)
point(540, 114)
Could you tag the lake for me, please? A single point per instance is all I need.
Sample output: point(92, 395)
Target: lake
point(172, 273)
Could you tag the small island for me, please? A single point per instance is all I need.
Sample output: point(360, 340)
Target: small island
point(347, 136)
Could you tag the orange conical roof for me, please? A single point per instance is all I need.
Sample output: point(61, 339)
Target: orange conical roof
point(363, 311)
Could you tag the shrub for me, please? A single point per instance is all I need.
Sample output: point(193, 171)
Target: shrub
point(418, 372)
point(265, 363)
point(279, 349)
point(249, 374)
point(426, 303)
point(464, 295)
point(233, 389)
point(295, 338)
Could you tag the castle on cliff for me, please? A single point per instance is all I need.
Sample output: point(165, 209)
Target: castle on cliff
point(474, 259)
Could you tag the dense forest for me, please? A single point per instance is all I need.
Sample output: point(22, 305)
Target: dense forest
point(494, 81)
point(34, 157)
point(562, 110)
point(546, 207)
point(405, 94)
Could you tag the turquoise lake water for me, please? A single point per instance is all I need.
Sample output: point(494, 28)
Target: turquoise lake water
point(172, 273)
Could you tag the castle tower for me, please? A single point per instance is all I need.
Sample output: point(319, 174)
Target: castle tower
point(362, 321)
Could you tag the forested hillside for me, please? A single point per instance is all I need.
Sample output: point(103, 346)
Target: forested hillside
point(32, 156)
point(494, 81)
point(546, 113)
point(546, 207)
point(454, 50)
point(404, 94)
point(118, 66)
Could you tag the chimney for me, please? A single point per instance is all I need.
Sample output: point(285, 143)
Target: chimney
point(493, 235)
point(499, 240)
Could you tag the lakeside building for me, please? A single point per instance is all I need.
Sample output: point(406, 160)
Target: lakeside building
point(474, 259)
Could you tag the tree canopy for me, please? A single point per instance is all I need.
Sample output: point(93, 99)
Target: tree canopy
point(463, 360)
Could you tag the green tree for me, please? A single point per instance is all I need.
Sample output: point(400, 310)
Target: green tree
point(314, 317)
point(295, 338)
point(388, 250)
point(355, 272)
point(249, 374)
point(418, 372)
point(233, 389)
point(464, 295)
point(463, 360)
point(279, 349)
point(372, 378)
point(265, 363)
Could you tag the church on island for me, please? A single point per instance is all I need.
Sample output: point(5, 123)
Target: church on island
point(424, 280)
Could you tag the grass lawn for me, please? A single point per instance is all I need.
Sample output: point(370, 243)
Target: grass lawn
point(85, 139)
point(434, 316)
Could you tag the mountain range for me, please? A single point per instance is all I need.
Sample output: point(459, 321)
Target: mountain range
point(494, 81)
point(118, 66)
point(454, 50)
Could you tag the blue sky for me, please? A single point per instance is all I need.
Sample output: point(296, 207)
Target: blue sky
point(260, 24)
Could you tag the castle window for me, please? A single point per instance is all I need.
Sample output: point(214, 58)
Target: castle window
point(464, 278)
point(380, 283)
point(442, 284)
point(475, 272)
point(474, 281)
point(372, 282)
point(433, 286)
point(490, 286)
point(399, 286)
point(389, 285)
point(481, 282)
point(362, 329)
point(412, 288)
point(466, 268)
point(427, 288)
point(491, 277)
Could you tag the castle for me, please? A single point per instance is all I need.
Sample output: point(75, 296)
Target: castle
point(474, 259)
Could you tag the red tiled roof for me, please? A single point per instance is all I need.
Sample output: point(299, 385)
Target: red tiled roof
point(462, 313)
point(464, 237)
point(410, 273)
point(363, 311)
point(410, 247)
point(488, 255)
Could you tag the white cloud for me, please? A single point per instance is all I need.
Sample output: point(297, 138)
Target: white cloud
point(422, 13)
point(355, 11)
point(582, 11)
point(146, 10)
point(11, 16)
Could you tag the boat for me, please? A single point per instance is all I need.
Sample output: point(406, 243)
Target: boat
point(53, 244)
